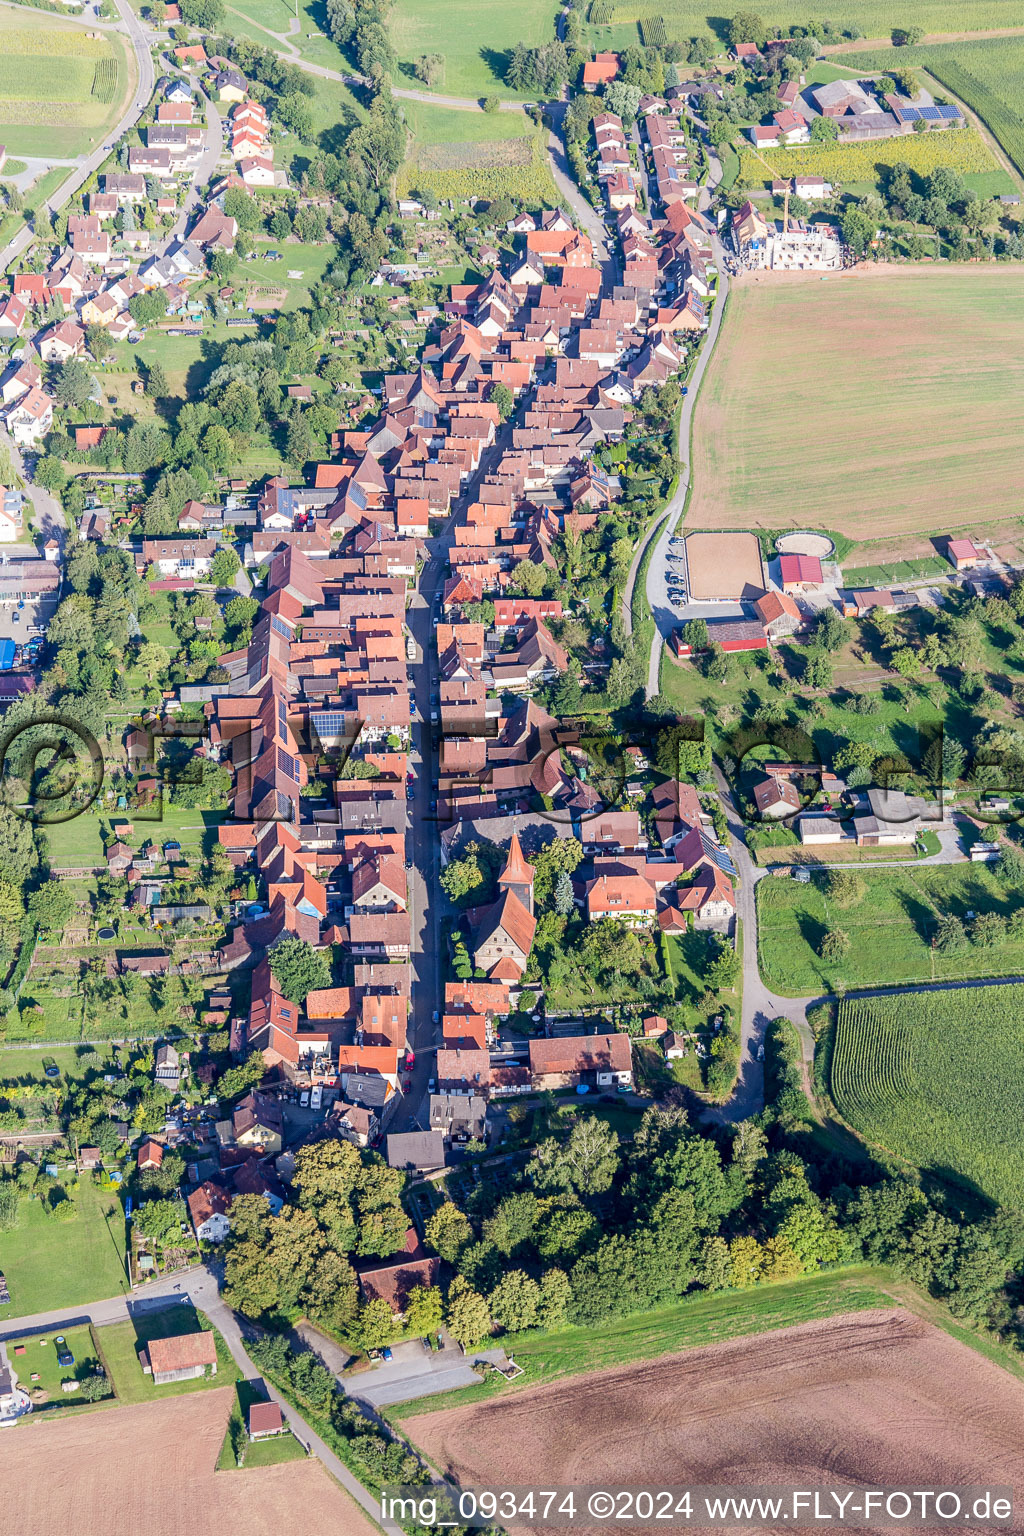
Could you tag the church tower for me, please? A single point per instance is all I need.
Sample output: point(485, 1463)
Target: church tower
point(517, 876)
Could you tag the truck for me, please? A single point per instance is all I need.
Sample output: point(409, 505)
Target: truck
point(316, 1097)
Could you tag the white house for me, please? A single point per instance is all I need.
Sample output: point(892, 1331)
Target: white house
point(29, 420)
point(208, 1206)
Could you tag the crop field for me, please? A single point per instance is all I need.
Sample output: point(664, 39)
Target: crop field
point(904, 386)
point(988, 76)
point(890, 930)
point(963, 150)
point(475, 154)
point(153, 1468)
point(59, 87)
point(865, 1396)
point(874, 18)
point(938, 1078)
point(475, 39)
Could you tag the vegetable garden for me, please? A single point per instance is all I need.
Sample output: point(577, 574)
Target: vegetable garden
point(937, 1078)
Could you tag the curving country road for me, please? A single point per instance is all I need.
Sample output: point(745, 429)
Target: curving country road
point(85, 167)
point(199, 1286)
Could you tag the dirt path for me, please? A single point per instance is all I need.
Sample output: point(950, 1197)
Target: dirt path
point(865, 44)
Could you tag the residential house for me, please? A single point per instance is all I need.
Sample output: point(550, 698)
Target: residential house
point(570, 1060)
point(208, 1207)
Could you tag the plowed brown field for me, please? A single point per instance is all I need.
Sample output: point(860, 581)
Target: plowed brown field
point(149, 1471)
point(868, 1400)
point(884, 401)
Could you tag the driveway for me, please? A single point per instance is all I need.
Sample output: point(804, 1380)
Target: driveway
point(413, 1372)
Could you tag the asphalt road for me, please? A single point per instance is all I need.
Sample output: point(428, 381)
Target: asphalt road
point(87, 164)
point(200, 1287)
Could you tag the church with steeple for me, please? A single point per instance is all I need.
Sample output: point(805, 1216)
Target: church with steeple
point(506, 932)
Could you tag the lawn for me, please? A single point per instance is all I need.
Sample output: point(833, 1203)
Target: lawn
point(925, 426)
point(61, 87)
point(897, 572)
point(79, 842)
point(237, 1450)
point(23, 1064)
point(40, 1358)
point(51, 1264)
point(475, 37)
point(985, 75)
point(938, 1079)
point(120, 1343)
point(255, 18)
point(475, 154)
point(689, 1325)
point(890, 930)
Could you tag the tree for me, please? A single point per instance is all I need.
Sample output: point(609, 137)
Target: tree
point(448, 1231)
point(298, 969)
point(295, 112)
point(157, 1219)
point(824, 130)
point(377, 1325)
point(845, 887)
point(51, 474)
point(858, 229)
point(587, 1162)
point(238, 205)
point(747, 27)
point(528, 579)
point(563, 900)
point(299, 445)
point(501, 396)
point(695, 635)
point(515, 1301)
point(146, 308)
point(51, 906)
point(429, 68)
point(905, 661)
point(469, 1321)
point(224, 567)
point(94, 1387)
point(97, 339)
point(74, 384)
point(950, 937)
point(906, 37)
point(153, 659)
point(157, 386)
point(207, 15)
point(817, 668)
point(830, 632)
point(512, 1223)
point(555, 1296)
point(424, 1310)
point(834, 946)
point(9, 1210)
point(988, 929)
point(623, 99)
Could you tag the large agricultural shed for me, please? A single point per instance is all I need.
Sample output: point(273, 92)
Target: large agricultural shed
point(724, 567)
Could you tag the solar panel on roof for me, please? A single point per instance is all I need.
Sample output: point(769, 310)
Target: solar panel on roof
point(949, 112)
point(930, 114)
point(279, 626)
point(910, 114)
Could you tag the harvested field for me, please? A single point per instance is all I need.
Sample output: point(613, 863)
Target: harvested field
point(887, 401)
point(724, 566)
point(872, 1399)
point(125, 1470)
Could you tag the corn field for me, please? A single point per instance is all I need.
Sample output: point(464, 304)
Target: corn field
point(937, 1078)
point(104, 80)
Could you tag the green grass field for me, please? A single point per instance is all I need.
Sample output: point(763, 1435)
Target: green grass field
point(938, 1079)
point(874, 18)
point(21, 1064)
point(238, 1451)
point(120, 1343)
point(51, 1264)
point(898, 571)
point(988, 76)
point(475, 154)
point(691, 1324)
point(256, 18)
point(475, 38)
point(927, 430)
point(40, 1358)
point(60, 86)
point(890, 930)
point(79, 842)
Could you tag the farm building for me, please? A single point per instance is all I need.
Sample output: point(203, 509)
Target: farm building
point(264, 1420)
point(730, 634)
point(179, 1359)
point(964, 554)
point(798, 572)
